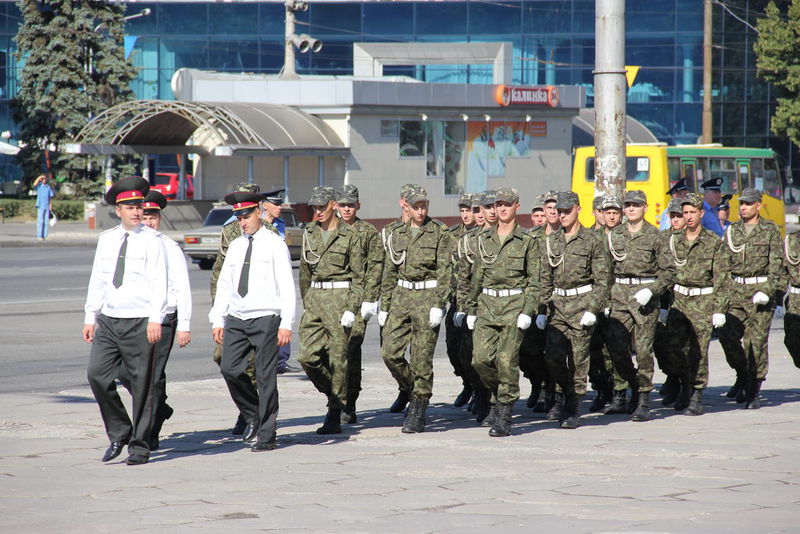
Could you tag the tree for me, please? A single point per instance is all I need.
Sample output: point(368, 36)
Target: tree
point(74, 68)
point(778, 62)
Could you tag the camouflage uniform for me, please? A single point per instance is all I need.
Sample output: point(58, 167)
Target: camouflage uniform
point(331, 283)
point(791, 321)
point(601, 371)
point(755, 264)
point(532, 362)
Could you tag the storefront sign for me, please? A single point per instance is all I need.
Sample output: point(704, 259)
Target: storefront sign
point(529, 96)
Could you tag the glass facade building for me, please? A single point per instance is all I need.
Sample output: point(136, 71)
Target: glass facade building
point(553, 43)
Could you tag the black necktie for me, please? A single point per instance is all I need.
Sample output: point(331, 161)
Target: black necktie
point(119, 272)
point(244, 277)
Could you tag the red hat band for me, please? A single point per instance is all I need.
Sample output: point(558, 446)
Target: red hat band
point(244, 205)
point(132, 194)
point(151, 206)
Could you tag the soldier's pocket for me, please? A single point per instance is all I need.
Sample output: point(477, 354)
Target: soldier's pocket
point(427, 256)
point(515, 263)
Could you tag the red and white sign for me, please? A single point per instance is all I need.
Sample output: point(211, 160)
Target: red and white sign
point(508, 95)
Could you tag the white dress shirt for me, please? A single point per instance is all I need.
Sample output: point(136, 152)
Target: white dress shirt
point(271, 285)
point(143, 292)
point(179, 293)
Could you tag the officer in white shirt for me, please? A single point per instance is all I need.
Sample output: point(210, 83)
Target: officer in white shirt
point(254, 309)
point(125, 308)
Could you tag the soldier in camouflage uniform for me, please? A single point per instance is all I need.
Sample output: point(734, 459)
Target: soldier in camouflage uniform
point(504, 295)
point(791, 313)
point(454, 327)
point(754, 253)
point(347, 204)
point(414, 292)
point(331, 285)
point(643, 269)
point(597, 212)
point(574, 288)
point(699, 304)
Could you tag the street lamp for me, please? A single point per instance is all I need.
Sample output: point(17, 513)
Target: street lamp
point(143, 13)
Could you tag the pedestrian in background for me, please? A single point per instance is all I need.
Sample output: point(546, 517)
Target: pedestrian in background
point(44, 205)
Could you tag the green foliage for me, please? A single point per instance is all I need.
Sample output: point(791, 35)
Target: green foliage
point(74, 68)
point(67, 210)
point(14, 207)
point(778, 61)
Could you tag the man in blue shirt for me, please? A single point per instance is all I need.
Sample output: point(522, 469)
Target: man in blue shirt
point(712, 196)
point(44, 205)
point(679, 190)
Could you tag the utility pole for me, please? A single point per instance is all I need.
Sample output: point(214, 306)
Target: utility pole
point(303, 42)
point(610, 93)
point(708, 114)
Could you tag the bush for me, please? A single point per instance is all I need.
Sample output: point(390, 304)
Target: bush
point(66, 210)
point(14, 207)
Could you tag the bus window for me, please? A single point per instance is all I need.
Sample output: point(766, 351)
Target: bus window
point(725, 168)
point(772, 179)
point(674, 170)
point(702, 171)
point(637, 169)
point(756, 170)
point(744, 173)
point(689, 172)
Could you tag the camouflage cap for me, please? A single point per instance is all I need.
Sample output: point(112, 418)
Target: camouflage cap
point(635, 196)
point(675, 206)
point(750, 194)
point(477, 200)
point(465, 199)
point(418, 194)
point(489, 197)
point(692, 199)
point(538, 203)
point(551, 196)
point(597, 202)
point(566, 199)
point(348, 194)
point(611, 202)
point(245, 187)
point(321, 195)
point(406, 190)
point(507, 194)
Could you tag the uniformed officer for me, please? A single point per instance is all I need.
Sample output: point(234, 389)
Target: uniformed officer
point(347, 204)
point(454, 326)
point(414, 291)
point(503, 297)
point(642, 270)
point(253, 310)
point(712, 196)
point(125, 308)
point(332, 288)
point(754, 251)
point(678, 192)
point(699, 304)
point(724, 211)
point(574, 288)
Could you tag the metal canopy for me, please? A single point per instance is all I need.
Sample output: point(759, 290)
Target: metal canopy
point(166, 126)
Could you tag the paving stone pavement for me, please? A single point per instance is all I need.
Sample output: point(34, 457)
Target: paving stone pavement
point(729, 470)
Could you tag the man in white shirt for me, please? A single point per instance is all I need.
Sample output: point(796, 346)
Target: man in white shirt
point(253, 309)
point(125, 308)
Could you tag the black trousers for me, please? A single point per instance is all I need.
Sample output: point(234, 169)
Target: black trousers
point(261, 336)
point(123, 343)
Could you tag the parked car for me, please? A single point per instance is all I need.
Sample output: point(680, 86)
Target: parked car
point(202, 244)
point(166, 183)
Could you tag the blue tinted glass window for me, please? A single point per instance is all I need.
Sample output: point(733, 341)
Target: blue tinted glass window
point(650, 51)
point(182, 19)
point(144, 25)
point(334, 58)
point(690, 15)
point(145, 53)
point(334, 19)
point(271, 56)
point(689, 122)
point(543, 57)
point(233, 19)
point(388, 19)
point(232, 55)
point(647, 15)
point(449, 18)
point(583, 16)
point(653, 85)
point(270, 19)
point(145, 86)
point(689, 85)
point(177, 53)
point(503, 17)
point(546, 17)
point(659, 118)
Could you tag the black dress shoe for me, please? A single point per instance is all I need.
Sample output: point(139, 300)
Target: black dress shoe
point(113, 451)
point(250, 432)
point(264, 446)
point(288, 369)
point(137, 459)
point(238, 428)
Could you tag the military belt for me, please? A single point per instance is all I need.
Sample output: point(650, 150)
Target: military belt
point(693, 291)
point(331, 285)
point(750, 280)
point(794, 289)
point(427, 284)
point(635, 281)
point(502, 292)
point(572, 292)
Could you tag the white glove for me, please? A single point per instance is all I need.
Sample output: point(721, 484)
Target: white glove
point(435, 317)
point(718, 320)
point(471, 321)
point(760, 298)
point(458, 318)
point(367, 310)
point(588, 319)
point(606, 311)
point(541, 321)
point(780, 311)
point(382, 315)
point(348, 318)
point(662, 316)
point(643, 296)
point(523, 321)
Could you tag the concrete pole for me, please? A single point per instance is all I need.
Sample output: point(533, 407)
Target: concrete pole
point(286, 180)
point(708, 114)
point(288, 48)
point(610, 92)
point(250, 172)
point(182, 178)
point(321, 170)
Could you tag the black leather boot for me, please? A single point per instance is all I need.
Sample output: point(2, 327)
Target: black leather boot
point(464, 396)
point(670, 391)
point(558, 405)
point(400, 402)
point(571, 413)
point(238, 428)
point(349, 416)
point(481, 406)
point(545, 401)
point(642, 411)
point(695, 404)
point(502, 421)
point(602, 398)
point(736, 388)
point(332, 423)
point(633, 402)
point(491, 416)
point(533, 398)
point(684, 397)
point(751, 401)
point(617, 405)
point(415, 418)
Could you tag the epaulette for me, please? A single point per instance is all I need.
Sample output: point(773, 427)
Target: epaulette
point(454, 228)
point(106, 231)
point(366, 226)
point(230, 223)
point(440, 223)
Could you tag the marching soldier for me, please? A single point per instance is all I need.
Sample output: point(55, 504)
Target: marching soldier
point(754, 251)
point(414, 291)
point(504, 295)
point(699, 304)
point(643, 270)
point(551, 213)
point(791, 313)
point(597, 212)
point(332, 288)
point(347, 204)
point(538, 218)
point(574, 288)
